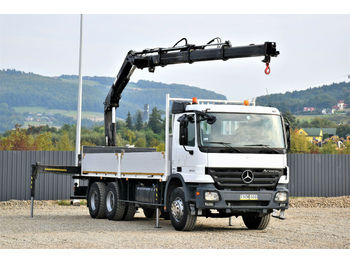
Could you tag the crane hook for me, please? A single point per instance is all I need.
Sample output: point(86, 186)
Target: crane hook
point(267, 69)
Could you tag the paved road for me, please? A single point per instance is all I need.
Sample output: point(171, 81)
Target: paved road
point(56, 226)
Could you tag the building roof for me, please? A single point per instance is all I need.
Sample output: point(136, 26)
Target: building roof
point(329, 131)
point(312, 131)
point(317, 131)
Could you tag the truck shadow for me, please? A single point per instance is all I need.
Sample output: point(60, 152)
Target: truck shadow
point(82, 222)
point(201, 227)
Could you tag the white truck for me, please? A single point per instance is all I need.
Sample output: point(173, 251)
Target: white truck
point(222, 158)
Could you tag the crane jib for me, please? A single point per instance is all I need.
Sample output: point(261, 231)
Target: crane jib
point(151, 58)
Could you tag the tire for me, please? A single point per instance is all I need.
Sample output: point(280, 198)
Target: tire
point(130, 211)
point(115, 210)
point(96, 200)
point(253, 221)
point(149, 212)
point(180, 214)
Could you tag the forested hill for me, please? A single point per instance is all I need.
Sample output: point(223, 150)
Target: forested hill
point(19, 89)
point(319, 97)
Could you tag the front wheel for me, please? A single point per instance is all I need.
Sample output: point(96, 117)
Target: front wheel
point(254, 221)
point(180, 214)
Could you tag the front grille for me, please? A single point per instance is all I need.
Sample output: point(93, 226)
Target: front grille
point(231, 178)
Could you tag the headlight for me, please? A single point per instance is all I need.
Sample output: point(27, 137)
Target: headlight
point(211, 196)
point(281, 197)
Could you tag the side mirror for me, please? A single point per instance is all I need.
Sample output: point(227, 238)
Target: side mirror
point(183, 129)
point(287, 134)
point(183, 134)
point(211, 120)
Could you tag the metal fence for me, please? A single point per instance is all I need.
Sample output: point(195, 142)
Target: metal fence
point(310, 175)
point(15, 171)
point(319, 175)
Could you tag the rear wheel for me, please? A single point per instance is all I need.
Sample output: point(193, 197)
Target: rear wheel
point(253, 221)
point(96, 200)
point(130, 211)
point(180, 214)
point(115, 209)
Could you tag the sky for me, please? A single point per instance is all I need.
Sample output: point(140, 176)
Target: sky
point(314, 49)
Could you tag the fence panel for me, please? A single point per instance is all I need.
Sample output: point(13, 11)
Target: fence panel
point(319, 175)
point(15, 171)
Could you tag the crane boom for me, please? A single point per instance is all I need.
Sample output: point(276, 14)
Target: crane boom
point(151, 58)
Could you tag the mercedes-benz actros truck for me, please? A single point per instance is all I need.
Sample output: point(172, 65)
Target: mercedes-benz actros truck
point(222, 158)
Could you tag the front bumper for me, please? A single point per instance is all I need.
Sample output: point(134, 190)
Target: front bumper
point(241, 201)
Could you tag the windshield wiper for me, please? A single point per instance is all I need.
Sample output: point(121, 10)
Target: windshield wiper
point(228, 145)
point(265, 146)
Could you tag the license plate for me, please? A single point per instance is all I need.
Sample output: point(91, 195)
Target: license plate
point(248, 197)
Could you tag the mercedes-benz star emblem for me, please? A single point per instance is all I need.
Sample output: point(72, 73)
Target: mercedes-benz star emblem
point(247, 176)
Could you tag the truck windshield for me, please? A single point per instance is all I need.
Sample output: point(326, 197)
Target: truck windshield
point(243, 130)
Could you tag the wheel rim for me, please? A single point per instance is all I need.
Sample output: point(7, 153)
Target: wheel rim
point(110, 201)
point(93, 200)
point(177, 209)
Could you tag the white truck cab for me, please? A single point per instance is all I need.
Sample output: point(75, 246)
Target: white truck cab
point(231, 157)
point(242, 136)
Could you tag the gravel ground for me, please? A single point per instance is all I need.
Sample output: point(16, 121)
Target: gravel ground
point(55, 226)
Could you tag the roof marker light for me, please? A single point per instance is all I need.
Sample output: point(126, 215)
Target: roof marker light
point(246, 102)
point(194, 100)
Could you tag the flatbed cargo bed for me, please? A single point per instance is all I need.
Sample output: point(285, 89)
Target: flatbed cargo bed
point(122, 162)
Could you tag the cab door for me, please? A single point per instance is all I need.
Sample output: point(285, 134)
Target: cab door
point(188, 160)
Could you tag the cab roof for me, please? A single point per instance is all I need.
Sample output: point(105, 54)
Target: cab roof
point(233, 109)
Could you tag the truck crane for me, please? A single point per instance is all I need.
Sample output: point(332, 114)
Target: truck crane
point(222, 158)
point(151, 58)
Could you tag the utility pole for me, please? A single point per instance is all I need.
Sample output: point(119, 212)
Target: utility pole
point(80, 90)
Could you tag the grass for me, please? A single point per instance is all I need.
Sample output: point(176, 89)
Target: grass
point(85, 82)
point(308, 117)
point(337, 118)
point(69, 113)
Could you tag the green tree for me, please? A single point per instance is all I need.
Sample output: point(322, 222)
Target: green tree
point(322, 122)
point(155, 121)
point(347, 147)
point(43, 142)
point(130, 136)
point(289, 117)
point(129, 121)
point(299, 143)
point(64, 143)
point(329, 148)
point(140, 142)
point(139, 122)
point(161, 147)
point(18, 140)
point(343, 130)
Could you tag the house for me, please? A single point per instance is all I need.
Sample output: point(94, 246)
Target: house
point(309, 109)
point(326, 111)
point(340, 106)
point(317, 134)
